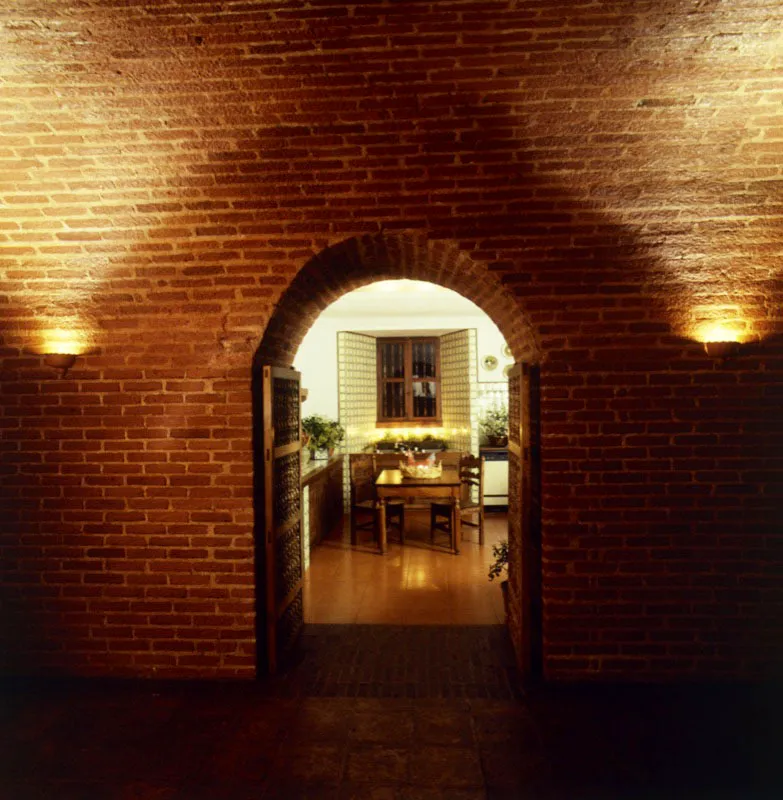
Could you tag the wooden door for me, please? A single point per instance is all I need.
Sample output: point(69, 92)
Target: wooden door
point(524, 519)
point(282, 514)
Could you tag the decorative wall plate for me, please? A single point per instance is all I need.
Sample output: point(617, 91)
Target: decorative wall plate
point(507, 351)
point(489, 363)
point(507, 369)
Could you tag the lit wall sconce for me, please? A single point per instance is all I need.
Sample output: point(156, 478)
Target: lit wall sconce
point(61, 347)
point(721, 349)
point(61, 361)
point(720, 340)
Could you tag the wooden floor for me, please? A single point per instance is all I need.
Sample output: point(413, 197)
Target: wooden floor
point(410, 585)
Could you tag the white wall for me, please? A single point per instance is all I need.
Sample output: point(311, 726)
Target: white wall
point(388, 306)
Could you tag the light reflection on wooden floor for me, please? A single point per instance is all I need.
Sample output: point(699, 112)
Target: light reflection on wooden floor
point(410, 585)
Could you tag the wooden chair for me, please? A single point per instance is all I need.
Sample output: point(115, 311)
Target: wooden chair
point(364, 504)
point(471, 473)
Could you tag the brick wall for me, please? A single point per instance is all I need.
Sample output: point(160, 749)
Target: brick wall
point(602, 178)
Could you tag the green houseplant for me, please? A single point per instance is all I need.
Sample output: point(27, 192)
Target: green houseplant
point(393, 440)
point(499, 567)
point(493, 424)
point(324, 433)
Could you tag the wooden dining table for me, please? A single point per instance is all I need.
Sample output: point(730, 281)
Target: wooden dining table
point(392, 483)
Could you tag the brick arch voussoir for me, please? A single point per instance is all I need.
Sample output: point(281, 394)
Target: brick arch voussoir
point(362, 260)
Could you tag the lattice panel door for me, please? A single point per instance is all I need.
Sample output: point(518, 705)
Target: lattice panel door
point(524, 514)
point(282, 442)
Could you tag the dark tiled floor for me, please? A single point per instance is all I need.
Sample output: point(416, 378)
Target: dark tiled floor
point(427, 661)
point(289, 738)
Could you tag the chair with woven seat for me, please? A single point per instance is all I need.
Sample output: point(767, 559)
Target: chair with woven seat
point(471, 473)
point(364, 505)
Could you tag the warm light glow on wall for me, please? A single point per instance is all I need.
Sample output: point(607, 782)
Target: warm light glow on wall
point(61, 340)
point(719, 332)
point(722, 322)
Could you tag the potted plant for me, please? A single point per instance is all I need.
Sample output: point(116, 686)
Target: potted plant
point(430, 442)
point(392, 441)
point(325, 434)
point(493, 425)
point(388, 443)
point(499, 566)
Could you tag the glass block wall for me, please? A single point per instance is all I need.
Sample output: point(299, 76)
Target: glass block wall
point(459, 383)
point(491, 394)
point(357, 398)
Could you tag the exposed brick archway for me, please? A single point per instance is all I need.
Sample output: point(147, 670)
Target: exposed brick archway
point(362, 260)
point(350, 265)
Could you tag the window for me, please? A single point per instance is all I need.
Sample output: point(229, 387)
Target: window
point(409, 381)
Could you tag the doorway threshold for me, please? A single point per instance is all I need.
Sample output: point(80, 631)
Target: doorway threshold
point(410, 661)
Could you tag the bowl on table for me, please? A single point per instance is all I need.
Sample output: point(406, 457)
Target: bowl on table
point(421, 471)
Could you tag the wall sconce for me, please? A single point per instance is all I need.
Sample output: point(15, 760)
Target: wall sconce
point(61, 361)
point(720, 340)
point(61, 347)
point(721, 350)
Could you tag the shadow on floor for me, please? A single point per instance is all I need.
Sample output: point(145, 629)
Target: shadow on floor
point(394, 712)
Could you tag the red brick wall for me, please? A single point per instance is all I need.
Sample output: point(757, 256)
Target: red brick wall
point(167, 169)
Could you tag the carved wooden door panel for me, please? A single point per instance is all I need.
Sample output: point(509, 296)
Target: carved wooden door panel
point(524, 519)
point(282, 442)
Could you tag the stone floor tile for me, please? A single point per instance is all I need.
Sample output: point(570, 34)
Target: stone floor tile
point(144, 790)
point(278, 739)
point(442, 725)
point(64, 790)
point(434, 793)
point(446, 767)
point(317, 764)
point(383, 726)
point(364, 791)
point(501, 723)
point(510, 771)
point(328, 720)
point(289, 789)
point(377, 764)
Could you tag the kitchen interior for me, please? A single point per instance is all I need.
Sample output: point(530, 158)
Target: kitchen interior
point(350, 363)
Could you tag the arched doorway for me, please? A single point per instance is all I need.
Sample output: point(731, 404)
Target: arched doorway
point(325, 278)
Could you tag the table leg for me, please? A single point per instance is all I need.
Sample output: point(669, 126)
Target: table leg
point(456, 525)
point(381, 522)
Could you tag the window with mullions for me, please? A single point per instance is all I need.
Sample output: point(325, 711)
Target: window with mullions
point(409, 381)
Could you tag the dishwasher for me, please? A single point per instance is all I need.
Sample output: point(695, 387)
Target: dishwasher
point(495, 476)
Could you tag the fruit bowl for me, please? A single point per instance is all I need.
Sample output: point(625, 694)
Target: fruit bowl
point(424, 471)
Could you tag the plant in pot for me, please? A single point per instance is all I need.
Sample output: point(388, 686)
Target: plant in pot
point(499, 567)
point(493, 425)
point(325, 434)
point(430, 442)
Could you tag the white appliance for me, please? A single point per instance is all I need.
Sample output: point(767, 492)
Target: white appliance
point(495, 476)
